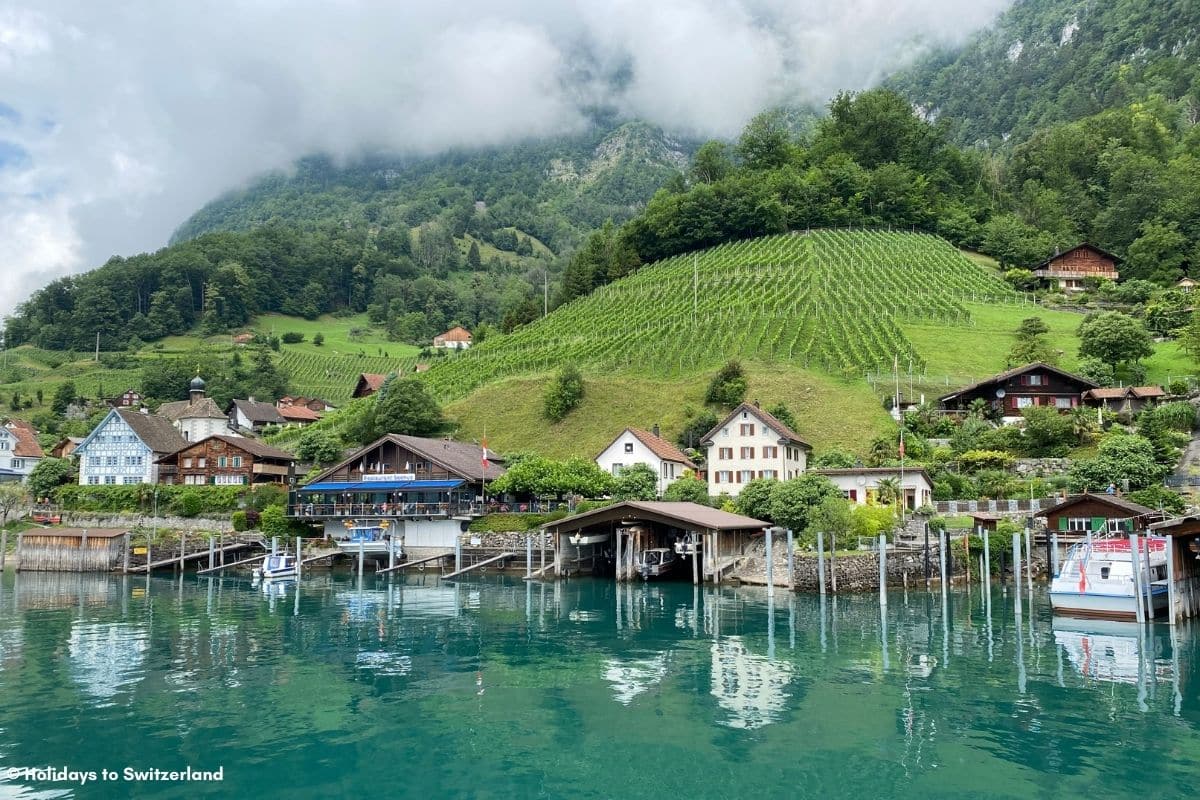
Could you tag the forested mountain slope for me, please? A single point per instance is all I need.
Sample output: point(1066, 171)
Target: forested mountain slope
point(1048, 61)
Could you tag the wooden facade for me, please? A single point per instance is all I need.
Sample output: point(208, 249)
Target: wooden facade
point(71, 550)
point(1070, 269)
point(225, 461)
point(1183, 570)
point(1011, 392)
point(1099, 513)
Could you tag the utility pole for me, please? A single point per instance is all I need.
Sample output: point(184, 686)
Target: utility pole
point(695, 288)
point(97, 347)
point(545, 292)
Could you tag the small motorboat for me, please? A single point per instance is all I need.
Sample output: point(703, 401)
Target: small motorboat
point(276, 566)
point(579, 539)
point(1097, 579)
point(369, 538)
point(657, 562)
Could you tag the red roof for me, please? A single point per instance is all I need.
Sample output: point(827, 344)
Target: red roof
point(299, 413)
point(456, 334)
point(369, 383)
point(27, 442)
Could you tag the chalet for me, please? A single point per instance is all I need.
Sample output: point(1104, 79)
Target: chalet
point(457, 338)
point(368, 384)
point(1123, 399)
point(251, 415)
point(198, 417)
point(1185, 284)
point(1068, 270)
point(298, 416)
point(751, 443)
point(19, 450)
point(861, 484)
point(1009, 393)
point(409, 478)
point(1099, 513)
point(125, 447)
point(127, 399)
point(636, 446)
point(311, 403)
point(226, 461)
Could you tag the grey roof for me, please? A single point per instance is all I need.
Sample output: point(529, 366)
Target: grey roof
point(204, 408)
point(251, 446)
point(1015, 371)
point(688, 515)
point(156, 432)
point(171, 410)
point(257, 412)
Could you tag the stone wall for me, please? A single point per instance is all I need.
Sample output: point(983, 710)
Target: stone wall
point(1027, 467)
point(95, 519)
point(505, 541)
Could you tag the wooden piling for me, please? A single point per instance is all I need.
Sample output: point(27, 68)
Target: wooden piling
point(1053, 554)
point(821, 562)
point(3, 548)
point(942, 559)
point(1016, 563)
point(987, 570)
point(182, 550)
point(82, 550)
point(695, 539)
point(617, 573)
point(221, 547)
point(299, 559)
point(457, 553)
point(125, 559)
point(1029, 560)
point(391, 553)
point(791, 561)
point(770, 564)
point(882, 569)
point(1135, 563)
point(212, 553)
point(362, 556)
point(528, 559)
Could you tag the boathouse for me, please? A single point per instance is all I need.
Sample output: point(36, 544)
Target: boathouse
point(1099, 513)
point(1183, 566)
point(611, 540)
point(71, 549)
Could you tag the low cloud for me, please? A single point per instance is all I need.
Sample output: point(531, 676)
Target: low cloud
point(119, 120)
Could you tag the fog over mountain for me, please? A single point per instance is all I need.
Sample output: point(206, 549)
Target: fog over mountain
point(118, 120)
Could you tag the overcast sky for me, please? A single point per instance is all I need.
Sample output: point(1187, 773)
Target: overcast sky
point(119, 119)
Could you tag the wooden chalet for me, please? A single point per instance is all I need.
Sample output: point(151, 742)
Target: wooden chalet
point(222, 460)
point(401, 476)
point(1099, 513)
point(1011, 392)
point(65, 447)
point(457, 338)
point(298, 415)
point(311, 403)
point(1068, 270)
point(368, 384)
point(127, 399)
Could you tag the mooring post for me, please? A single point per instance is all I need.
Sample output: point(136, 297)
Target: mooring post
point(4, 549)
point(391, 554)
point(791, 553)
point(987, 568)
point(542, 544)
point(82, 554)
point(882, 569)
point(212, 553)
point(362, 556)
point(695, 541)
point(821, 562)
point(1146, 579)
point(528, 558)
point(1135, 562)
point(274, 545)
point(221, 547)
point(770, 563)
point(617, 572)
point(1029, 560)
point(182, 549)
point(942, 559)
point(1053, 554)
point(300, 559)
point(1171, 592)
point(457, 553)
point(1016, 565)
point(124, 566)
point(928, 571)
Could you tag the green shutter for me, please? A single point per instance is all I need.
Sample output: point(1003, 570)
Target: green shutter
point(1062, 523)
point(1127, 525)
point(1098, 524)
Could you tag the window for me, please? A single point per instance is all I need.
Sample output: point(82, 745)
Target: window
point(1024, 402)
point(746, 429)
point(616, 469)
point(747, 452)
point(187, 463)
point(770, 452)
point(1104, 572)
point(110, 480)
point(768, 473)
point(723, 476)
point(18, 463)
point(110, 461)
point(1079, 524)
point(203, 462)
point(745, 476)
point(237, 461)
point(3, 444)
point(131, 481)
point(93, 480)
point(629, 447)
point(724, 452)
point(222, 462)
point(850, 494)
point(1064, 402)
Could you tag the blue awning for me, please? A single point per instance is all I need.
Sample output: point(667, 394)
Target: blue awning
point(382, 486)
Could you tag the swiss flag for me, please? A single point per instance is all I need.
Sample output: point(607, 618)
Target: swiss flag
point(484, 460)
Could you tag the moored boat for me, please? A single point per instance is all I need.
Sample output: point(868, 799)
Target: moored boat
point(369, 538)
point(1097, 579)
point(657, 562)
point(276, 566)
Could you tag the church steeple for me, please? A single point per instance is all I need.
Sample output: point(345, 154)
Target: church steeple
point(196, 392)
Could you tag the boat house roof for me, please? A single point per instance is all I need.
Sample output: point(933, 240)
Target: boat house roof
point(687, 516)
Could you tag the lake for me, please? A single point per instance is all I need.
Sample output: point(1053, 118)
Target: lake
point(497, 689)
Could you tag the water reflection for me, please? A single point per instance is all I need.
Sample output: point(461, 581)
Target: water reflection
point(106, 658)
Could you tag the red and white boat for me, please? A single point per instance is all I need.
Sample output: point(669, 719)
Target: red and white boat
point(1097, 580)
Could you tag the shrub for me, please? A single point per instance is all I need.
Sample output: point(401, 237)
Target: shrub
point(687, 489)
point(1178, 388)
point(253, 519)
point(189, 504)
point(728, 386)
point(239, 521)
point(140, 498)
point(318, 339)
point(292, 337)
point(564, 394)
point(975, 460)
point(1179, 416)
point(636, 482)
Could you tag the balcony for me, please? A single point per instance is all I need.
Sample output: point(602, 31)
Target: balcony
point(384, 510)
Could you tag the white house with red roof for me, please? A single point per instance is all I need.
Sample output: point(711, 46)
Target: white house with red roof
point(751, 443)
point(457, 338)
point(19, 450)
point(637, 446)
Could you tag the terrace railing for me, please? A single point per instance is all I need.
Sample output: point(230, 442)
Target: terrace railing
point(383, 510)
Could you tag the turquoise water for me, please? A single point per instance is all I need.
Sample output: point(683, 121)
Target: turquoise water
point(493, 689)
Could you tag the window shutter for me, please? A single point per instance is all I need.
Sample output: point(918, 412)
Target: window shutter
point(1098, 523)
point(1063, 523)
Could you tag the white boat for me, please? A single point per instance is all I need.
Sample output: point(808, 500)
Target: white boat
point(579, 539)
point(657, 562)
point(1097, 580)
point(276, 566)
point(371, 539)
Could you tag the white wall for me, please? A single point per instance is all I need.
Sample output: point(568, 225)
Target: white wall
point(616, 454)
point(197, 430)
point(21, 464)
point(783, 465)
point(861, 483)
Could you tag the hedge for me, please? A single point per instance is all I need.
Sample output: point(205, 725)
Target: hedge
point(175, 499)
point(511, 523)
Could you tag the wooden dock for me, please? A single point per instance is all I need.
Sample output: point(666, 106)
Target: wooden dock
point(197, 555)
point(538, 574)
point(479, 565)
point(417, 563)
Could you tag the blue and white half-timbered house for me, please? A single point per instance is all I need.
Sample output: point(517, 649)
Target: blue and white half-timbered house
point(124, 448)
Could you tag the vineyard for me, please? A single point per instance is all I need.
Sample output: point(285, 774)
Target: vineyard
point(332, 377)
point(829, 300)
